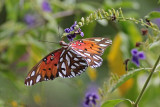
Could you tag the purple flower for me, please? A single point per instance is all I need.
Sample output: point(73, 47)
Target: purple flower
point(30, 19)
point(73, 26)
point(136, 56)
point(46, 6)
point(82, 34)
point(76, 32)
point(91, 97)
point(71, 36)
point(67, 30)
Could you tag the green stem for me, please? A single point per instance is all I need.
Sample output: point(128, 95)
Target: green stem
point(146, 83)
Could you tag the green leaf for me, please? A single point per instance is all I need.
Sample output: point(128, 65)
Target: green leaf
point(127, 76)
point(153, 15)
point(112, 103)
point(85, 7)
point(1, 103)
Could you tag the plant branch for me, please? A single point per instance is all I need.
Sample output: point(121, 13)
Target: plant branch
point(146, 83)
point(113, 15)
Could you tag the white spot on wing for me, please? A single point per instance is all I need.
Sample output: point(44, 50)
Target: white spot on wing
point(38, 78)
point(89, 60)
point(27, 83)
point(65, 46)
point(103, 45)
point(80, 50)
point(73, 73)
point(70, 54)
point(76, 64)
point(31, 82)
point(73, 51)
point(109, 41)
point(76, 59)
point(81, 71)
point(62, 52)
point(33, 73)
point(80, 54)
point(96, 63)
point(97, 40)
point(64, 72)
point(63, 65)
point(87, 54)
point(95, 57)
point(61, 59)
point(83, 63)
point(71, 76)
point(60, 74)
point(73, 67)
point(68, 60)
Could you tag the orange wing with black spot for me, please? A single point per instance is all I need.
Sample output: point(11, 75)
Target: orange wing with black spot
point(63, 63)
point(91, 49)
point(45, 70)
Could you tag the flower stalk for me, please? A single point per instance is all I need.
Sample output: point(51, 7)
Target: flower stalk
point(113, 15)
point(146, 83)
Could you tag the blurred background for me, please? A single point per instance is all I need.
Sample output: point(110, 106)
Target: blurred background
point(24, 22)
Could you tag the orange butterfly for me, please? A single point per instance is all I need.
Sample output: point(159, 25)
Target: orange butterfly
point(70, 60)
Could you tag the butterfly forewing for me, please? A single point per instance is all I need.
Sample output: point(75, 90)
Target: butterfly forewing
point(91, 49)
point(46, 69)
point(71, 64)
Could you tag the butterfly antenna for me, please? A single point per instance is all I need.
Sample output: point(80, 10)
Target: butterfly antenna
point(59, 35)
point(48, 41)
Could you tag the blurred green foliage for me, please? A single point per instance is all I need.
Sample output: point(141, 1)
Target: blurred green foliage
point(20, 50)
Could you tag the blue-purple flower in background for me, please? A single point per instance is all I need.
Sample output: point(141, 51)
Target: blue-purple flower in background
point(157, 20)
point(136, 56)
point(46, 6)
point(30, 19)
point(91, 97)
point(76, 32)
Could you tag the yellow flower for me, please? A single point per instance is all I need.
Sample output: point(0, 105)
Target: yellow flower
point(14, 104)
point(37, 99)
point(92, 73)
point(115, 61)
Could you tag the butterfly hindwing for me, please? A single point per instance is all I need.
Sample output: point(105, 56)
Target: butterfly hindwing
point(91, 49)
point(46, 69)
point(71, 64)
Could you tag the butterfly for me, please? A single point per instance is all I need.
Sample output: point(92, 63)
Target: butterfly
point(70, 60)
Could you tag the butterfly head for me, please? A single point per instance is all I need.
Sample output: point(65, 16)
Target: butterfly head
point(63, 44)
